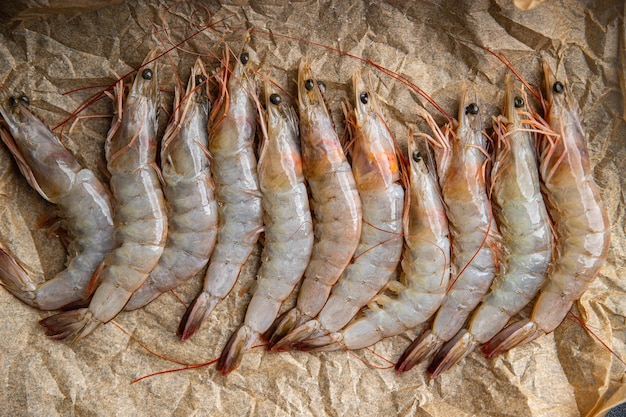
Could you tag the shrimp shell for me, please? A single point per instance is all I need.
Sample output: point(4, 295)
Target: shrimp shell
point(335, 203)
point(288, 227)
point(233, 165)
point(188, 189)
point(581, 224)
point(83, 205)
point(425, 268)
point(377, 175)
point(139, 208)
point(523, 221)
point(475, 240)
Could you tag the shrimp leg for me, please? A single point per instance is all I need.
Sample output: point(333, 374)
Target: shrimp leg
point(83, 205)
point(335, 203)
point(139, 207)
point(188, 190)
point(288, 227)
point(581, 223)
point(233, 166)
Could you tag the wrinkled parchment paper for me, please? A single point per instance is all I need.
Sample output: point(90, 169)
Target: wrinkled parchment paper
point(50, 47)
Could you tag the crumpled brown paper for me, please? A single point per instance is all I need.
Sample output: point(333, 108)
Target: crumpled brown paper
point(50, 47)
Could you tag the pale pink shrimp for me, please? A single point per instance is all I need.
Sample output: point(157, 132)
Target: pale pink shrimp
point(335, 204)
point(287, 224)
point(377, 175)
point(474, 239)
point(233, 165)
point(83, 206)
point(139, 209)
point(523, 221)
point(425, 267)
point(581, 223)
point(188, 189)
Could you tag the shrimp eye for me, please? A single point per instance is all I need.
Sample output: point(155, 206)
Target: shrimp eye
point(244, 58)
point(518, 102)
point(471, 108)
point(12, 102)
point(146, 74)
point(199, 79)
point(309, 84)
point(322, 86)
point(364, 97)
point(558, 87)
point(417, 156)
point(275, 99)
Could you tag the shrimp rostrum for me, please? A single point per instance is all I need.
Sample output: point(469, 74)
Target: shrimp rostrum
point(139, 209)
point(581, 224)
point(83, 207)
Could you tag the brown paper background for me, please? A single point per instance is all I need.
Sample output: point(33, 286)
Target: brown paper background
point(50, 47)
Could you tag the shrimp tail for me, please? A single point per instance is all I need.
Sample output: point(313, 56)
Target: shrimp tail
point(299, 334)
point(518, 333)
point(77, 323)
point(241, 341)
point(420, 349)
point(15, 279)
point(452, 352)
point(200, 308)
point(281, 328)
point(326, 343)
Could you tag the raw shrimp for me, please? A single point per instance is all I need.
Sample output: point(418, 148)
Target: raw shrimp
point(83, 207)
point(525, 227)
point(425, 267)
point(475, 239)
point(335, 203)
point(233, 165)
point(139, 209)
point(188, 189)
point(581, 224)
point(377, 175)
point(288, 227)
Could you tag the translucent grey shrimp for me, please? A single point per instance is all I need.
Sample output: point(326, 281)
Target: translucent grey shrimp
point(139, 209)
point(233, 165)
point(523, 221)
point(475, 240)
point(581, 224)
point(287, 224)
point(188, 189)
point(425, 268)
point(377, 175)
point(83, 206)
point(335, 204)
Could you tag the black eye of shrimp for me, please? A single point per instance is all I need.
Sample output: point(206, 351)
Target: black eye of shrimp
point(364, 97)
point(558, 87)
point(417, 156)
point(146, 74)
point(244, 58)
point(199, 79)
point(275, 99)
point(12, 102)
point(471, 108)
point(518, 102)
point(309, 84)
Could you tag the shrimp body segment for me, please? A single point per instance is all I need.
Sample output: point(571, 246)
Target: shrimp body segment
point(83, 206)
point(376, 172)
point(287, 226)
point(139, 207)
point(233, 165)
point(581, 224)
point(334, 201)
point(523, 221)
point(188, 189)
point(475, 239)
point(425, 268)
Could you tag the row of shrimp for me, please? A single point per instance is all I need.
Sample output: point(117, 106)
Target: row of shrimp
point(478, 233)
